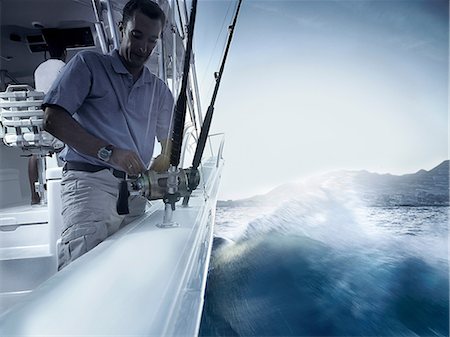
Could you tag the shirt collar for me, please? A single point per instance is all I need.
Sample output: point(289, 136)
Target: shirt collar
point(117, 63)
point(120, 69)
point(146, 77)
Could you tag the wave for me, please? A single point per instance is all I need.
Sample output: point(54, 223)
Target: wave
point(287, 286)
point(321, 265)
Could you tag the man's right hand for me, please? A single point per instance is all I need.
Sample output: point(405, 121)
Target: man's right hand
point(60, 124)
point(127, 160)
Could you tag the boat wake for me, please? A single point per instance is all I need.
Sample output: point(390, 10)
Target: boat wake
point(322, 265)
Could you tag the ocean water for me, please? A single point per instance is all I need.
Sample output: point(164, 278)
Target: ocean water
point(325, 265)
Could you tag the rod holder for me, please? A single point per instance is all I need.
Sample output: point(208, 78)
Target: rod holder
point(170, 198)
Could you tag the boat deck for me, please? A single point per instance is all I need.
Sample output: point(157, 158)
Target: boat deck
point(144, 280)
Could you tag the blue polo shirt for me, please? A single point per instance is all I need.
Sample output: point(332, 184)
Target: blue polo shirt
point(99, 93)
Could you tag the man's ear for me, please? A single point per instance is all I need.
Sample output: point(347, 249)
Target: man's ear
point(120, 26)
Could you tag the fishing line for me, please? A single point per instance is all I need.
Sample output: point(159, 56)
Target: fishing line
point(215, 45)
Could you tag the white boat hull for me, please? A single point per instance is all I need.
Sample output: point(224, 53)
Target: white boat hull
point(144, 280)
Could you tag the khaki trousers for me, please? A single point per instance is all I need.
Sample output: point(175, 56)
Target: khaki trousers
point(89, 212)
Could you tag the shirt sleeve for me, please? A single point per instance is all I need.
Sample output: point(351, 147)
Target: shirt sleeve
point(72, 85)
point(164, 123)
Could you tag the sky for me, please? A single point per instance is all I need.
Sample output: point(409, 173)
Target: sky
point(316, 86)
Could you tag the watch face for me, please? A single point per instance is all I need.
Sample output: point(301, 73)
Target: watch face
point(104, 154)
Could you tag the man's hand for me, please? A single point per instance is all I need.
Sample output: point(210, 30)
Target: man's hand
point(127, 160)
point(160, 163)
point(60, 124)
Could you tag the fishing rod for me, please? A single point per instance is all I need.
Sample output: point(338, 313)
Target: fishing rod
point(165, 185)
point(173, 194)
point(180, 107)
point(170, 186)
point(209, 113)
point(201, 144)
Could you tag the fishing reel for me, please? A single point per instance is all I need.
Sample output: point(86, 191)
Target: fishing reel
point(168, 186)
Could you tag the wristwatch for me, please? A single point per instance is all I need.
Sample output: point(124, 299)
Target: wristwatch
point(105, 152)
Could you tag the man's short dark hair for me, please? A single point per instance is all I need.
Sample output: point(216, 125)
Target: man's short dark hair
point(147, 7)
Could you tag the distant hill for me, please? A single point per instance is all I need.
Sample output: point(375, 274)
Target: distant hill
point(423, 188)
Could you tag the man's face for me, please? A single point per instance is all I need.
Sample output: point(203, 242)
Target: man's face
point(139, 37)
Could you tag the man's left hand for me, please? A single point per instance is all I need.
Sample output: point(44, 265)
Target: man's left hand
point(160, 163)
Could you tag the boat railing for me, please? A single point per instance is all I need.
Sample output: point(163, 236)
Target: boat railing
point(188, 138)
point(220, 137)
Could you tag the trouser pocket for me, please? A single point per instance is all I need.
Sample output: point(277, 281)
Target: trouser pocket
point(73, 244)
point(70, 251)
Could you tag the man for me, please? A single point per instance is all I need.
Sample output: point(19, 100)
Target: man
point(107, 109)
point(44, 76)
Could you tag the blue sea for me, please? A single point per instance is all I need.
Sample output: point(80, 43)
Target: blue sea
point(324, 265)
